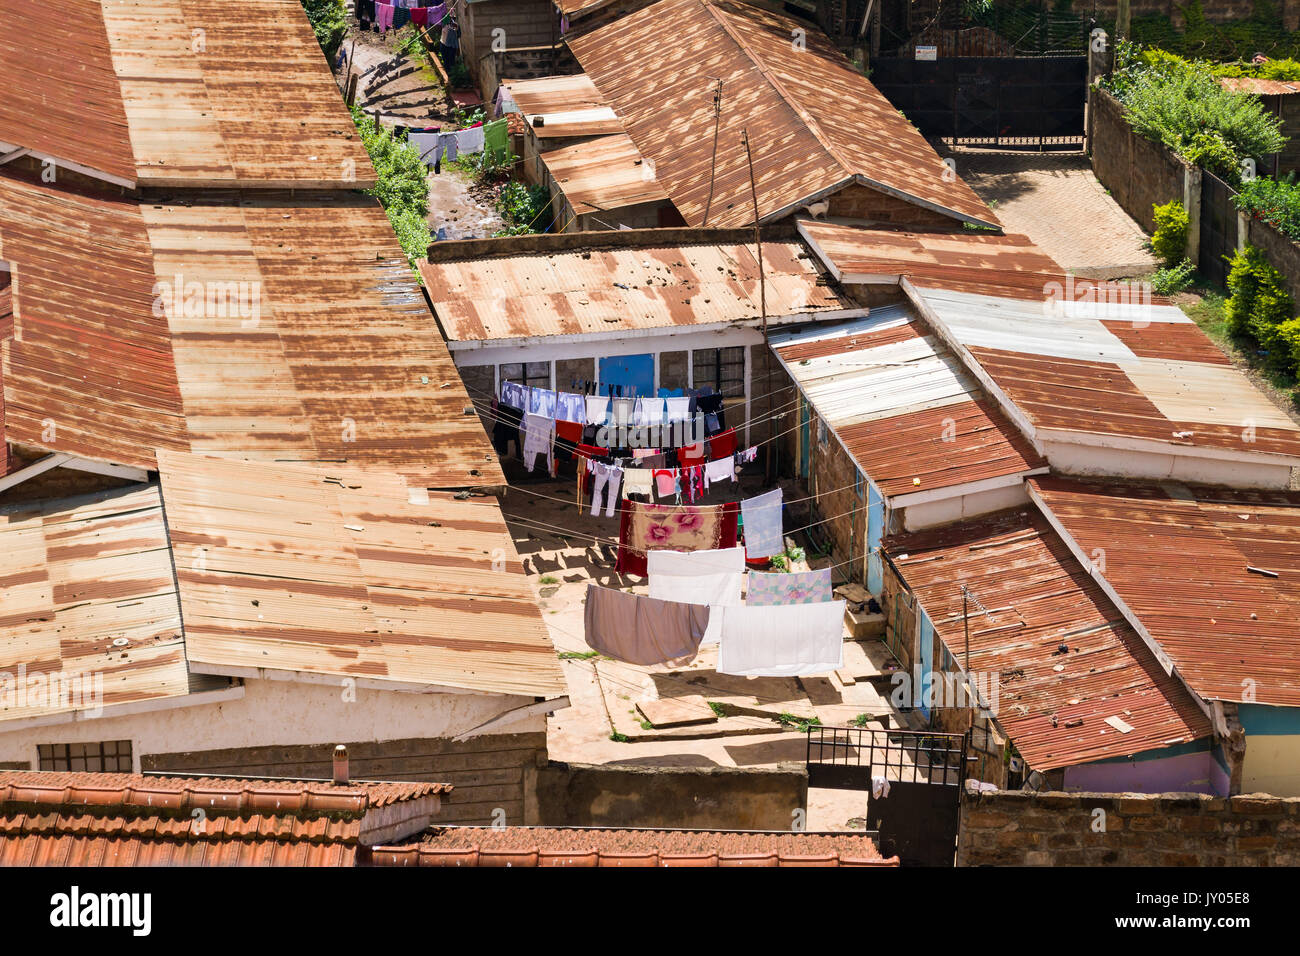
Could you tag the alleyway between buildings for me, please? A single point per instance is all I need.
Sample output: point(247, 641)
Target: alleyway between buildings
point(1055, 199)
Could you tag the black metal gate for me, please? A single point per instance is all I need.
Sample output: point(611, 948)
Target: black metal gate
point(917, 817)
point(1034, 102)
point(1218, 228)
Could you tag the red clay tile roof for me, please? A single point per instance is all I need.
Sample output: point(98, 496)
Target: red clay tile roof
point(579, 846)
point(125, 819)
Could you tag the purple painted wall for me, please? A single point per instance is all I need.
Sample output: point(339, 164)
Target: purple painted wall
point(1184, 773)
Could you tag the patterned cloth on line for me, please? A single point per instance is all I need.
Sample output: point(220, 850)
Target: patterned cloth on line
point(801, 587)
point(649, 527)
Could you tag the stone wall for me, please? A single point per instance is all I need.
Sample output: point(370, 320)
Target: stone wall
point(1013, 828)
point(490, 772)
point(842, 512)
point(1282, 253)
point(1138, 172)
point(690, 797)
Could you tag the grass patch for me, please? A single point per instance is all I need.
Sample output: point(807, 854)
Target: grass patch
point(862, 720)
point(577, 655)
point(619, 738)
point(549, 579)
point(801, 724)
point(718, 709)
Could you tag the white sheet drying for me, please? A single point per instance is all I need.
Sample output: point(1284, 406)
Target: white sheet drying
point(792, 640)
point(712, 578)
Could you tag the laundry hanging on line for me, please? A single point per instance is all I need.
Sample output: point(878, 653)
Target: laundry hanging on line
point(642, 630)
point(650, 527)
point(713, 578)
point(793, 640)
point(798, 587)
point(764, 531)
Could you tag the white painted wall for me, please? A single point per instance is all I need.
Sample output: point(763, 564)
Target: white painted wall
point(286, 713)
point(946, 510)
point(1075, 459)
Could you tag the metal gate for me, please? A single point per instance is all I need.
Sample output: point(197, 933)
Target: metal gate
point(917, 819)
point(1218, 228)
point(1034, 102)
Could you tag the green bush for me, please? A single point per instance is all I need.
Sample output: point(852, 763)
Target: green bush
point(1182, 105)
point(1169, 241)
point(1173, 279)
point(525, 209)
point(1274, 201)
point(1260, 307)
point(329, 21)
point(401, 185)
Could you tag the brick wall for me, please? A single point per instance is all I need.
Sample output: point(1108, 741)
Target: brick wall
point(488, 772)
point(1012, 828)
point(1138, 172)
point(863, 202)
point(725, 798)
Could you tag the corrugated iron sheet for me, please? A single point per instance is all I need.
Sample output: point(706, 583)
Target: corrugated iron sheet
point(617, 290)
point(604, 175)
point(88, 590)
point(1111, 367)
point(1038, 597)
point(188, 94)
point(349, 574)
point(89, 371)
point(567, 106)
point(1260, 87)
point(61, 97)
point(1178, 557)
point(327, 352)
point(118, 819)
point(344, 362)
point(855, 254)
point(815, 123)
point(902, 405)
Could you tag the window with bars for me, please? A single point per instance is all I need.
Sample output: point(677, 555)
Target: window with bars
point(536, 374)
point(107, 755)
point(721, 369)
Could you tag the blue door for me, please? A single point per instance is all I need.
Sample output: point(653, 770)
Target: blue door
point(635, 374)
point(924, 667)
point(875, 532)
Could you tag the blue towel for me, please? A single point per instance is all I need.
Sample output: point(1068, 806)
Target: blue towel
point(764, 531)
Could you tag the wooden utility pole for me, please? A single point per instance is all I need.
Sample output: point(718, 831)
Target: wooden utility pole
point(762, 309)
point(1122, 19)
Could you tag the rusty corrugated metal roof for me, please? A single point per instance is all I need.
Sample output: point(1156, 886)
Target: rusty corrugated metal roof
point(563, 106)
point(1039, 597)
point(605, 174)
point(61, 97)
point(902, 405)
point(815, 123)
point(1064, 361)
point(308, 338)
point(621, 289)
point(1258, 86)
point(88, 595)
point(591, 846)
point(342, 364)
point(1179, 558)
point(89, 370)
point(190, 94)
point(353, 575)
point(122, 819)
point(857, 255)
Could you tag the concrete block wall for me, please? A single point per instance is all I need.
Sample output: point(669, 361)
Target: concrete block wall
point(1013, 828)
point(1138, 172)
